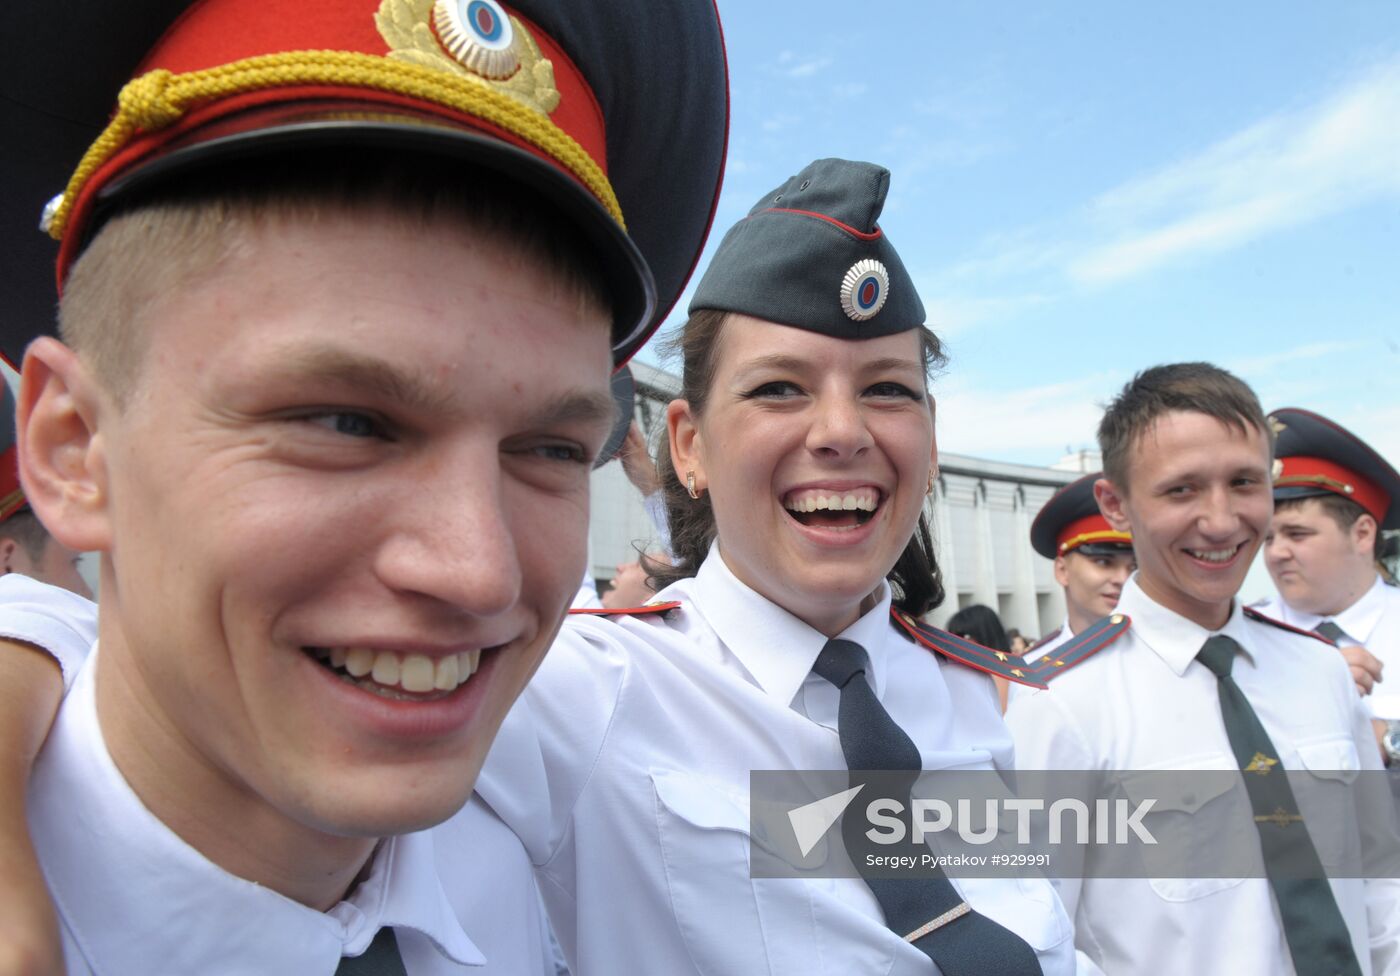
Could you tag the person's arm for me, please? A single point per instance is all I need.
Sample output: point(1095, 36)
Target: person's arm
point(31, 687)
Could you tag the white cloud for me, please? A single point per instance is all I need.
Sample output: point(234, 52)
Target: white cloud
point(1286, 170)
point(1338, 153)
point(1035, 425)
point(808, 68)
point(947, 316)
point(1271, 361)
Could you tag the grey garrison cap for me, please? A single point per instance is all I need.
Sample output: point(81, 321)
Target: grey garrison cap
point(811, 254)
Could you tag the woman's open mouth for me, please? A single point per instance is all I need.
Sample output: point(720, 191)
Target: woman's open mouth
point(832, 509)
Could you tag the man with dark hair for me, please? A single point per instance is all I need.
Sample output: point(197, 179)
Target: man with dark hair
point(26, 547)
point(1333, 499)
point(1194, 680)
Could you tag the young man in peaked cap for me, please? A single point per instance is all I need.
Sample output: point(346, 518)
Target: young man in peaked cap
point(1092, 559)
point(343, 283)
point(1333, 498)
point(1195, 681)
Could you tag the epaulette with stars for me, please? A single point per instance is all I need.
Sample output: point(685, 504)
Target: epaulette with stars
point(641, 611)
point(1080, 647)
point(966, 652)
point(1253, 614)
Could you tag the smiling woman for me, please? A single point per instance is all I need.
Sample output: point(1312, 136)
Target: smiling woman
point(769, 381)
point(797, 464)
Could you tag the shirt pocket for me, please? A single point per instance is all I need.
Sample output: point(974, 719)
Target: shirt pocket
point(732, 923)
point(1327, 802)
point(1199, 806)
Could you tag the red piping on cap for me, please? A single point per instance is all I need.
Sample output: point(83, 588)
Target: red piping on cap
point(860, 235)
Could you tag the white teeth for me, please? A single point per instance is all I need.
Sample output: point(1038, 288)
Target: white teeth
point(386, 668)
point(359, 661)
point(416, 673)
point(445, 675)
point(1215, 555)
point(863, 500)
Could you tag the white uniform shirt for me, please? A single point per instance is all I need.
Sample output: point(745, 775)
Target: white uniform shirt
point(1144, 703)
point(1373, 622)
point(625, 770)
point(132, 897)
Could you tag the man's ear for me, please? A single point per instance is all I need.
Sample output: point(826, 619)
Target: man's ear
point(683, 434)
point(1061, 571)
point(1111, 500)
point(61, 456)
point(1363, 534)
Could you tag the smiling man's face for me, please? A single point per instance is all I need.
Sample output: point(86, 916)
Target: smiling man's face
point(1198, 500)
point(344, 508)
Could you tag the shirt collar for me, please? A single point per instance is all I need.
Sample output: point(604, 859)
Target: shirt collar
point(1359, 619)
point(1171, 636)
point(775, 647)
point(130, 890)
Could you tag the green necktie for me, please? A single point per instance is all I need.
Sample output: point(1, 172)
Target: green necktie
point(1317, 936)
point(380, 959)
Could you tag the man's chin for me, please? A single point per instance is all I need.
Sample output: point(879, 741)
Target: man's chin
point(386, 816)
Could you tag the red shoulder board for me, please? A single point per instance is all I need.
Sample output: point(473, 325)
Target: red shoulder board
point(650, 608)
point(1253, 614)
point(1046, 639)
point(1080, 647)
point(964, 651)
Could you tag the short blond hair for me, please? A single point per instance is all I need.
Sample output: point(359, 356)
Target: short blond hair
point(168, 241)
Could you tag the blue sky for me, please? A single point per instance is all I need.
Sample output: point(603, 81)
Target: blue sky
point(1083, 190)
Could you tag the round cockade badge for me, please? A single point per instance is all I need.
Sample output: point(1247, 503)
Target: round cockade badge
point(478, 33)
point(864, 289)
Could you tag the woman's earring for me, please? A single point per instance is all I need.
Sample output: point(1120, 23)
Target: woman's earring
point(929, 489)
point(690, 485)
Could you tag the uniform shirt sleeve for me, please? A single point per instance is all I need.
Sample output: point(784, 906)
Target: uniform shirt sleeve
point(50, 617)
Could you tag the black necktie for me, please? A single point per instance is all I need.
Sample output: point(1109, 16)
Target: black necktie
point(928, 912)
point(1317, 936)
point(380, 959)
point(1331, 631)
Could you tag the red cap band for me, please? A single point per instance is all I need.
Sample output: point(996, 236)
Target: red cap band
point(1311, 472)
point(566, 130)
point(1090, 528)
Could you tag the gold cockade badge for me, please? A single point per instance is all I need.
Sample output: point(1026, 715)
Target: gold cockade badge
point(473, 39)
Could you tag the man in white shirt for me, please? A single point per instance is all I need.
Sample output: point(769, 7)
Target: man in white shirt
point(343, 285)
point(1092, 559)
point(1187, 471)
point(1333, 497)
